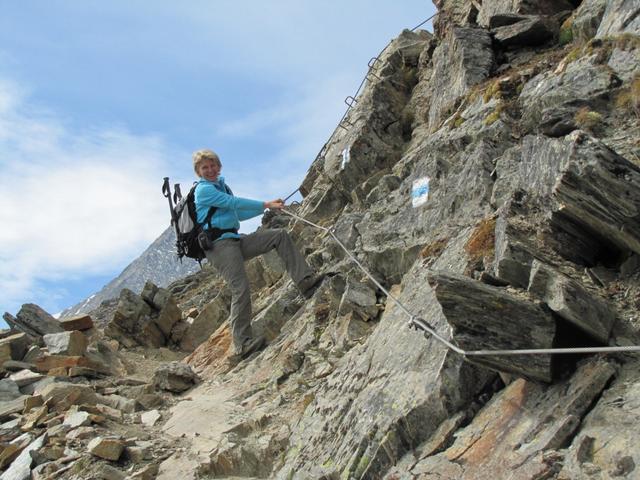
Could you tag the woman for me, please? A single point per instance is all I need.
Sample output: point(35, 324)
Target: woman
point(230, 250)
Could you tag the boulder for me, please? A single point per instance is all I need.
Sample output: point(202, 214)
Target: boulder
point(360, 299)
point(514, 252)
point(148, 472)
point(20, 468)
point(108, 472)
point(38, 385)
point(571, 301)
point(108, 448)
point(150, 418)
point(527, 31)
point(104, 358)
point(207, 322)
point(36, 417)
point(453, 13)
point(599, 191)
point(132, 323)
point(161, 300)
point(109, 412)
point(33, 352)
point(487, 318)
point(175, 377)
point(48, 363)
point(118, 402)
point(9, 408)
point(83, 372)
point(16, 366)
point(32, 402)
point(79, 322)
point(169, 313)
point(34, 321)
point(498, 8)
point(180, 329)
point(74, 418)
point(594, 192)
point(9, 390)
point(67, 394)
point(13, 347)
point(25, 377)
point(72, 343)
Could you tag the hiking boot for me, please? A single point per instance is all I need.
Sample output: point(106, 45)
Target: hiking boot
point(310, 284)
point(251, 346)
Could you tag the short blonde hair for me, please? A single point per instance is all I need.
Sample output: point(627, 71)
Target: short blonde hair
point(202, 155)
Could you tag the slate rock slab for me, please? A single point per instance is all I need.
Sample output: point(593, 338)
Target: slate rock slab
point(175, 377)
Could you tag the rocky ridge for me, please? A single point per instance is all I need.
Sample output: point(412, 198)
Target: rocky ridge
point(488, 177)
point(157, 264)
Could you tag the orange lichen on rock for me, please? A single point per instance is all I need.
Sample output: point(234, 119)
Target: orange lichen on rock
point(482, 241)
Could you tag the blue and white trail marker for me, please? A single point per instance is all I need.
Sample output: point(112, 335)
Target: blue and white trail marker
point(420, 192)
point(346, 157)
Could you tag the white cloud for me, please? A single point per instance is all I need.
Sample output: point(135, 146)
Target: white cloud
point(73, 202)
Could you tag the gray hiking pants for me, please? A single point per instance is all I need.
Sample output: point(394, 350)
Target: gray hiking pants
point(228, 257)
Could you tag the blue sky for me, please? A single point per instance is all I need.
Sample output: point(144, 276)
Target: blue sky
point(100, 100)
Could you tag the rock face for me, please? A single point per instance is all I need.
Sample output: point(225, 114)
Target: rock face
point(463, 59)
point(487, 178)
point(490, 448)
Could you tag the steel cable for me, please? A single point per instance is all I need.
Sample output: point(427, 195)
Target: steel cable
point(417, 322)
point(354, 97)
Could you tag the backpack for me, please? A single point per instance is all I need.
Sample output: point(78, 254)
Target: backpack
point(191, 238)
point(184, 221)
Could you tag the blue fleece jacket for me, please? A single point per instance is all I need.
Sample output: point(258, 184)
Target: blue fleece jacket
point(230, 210)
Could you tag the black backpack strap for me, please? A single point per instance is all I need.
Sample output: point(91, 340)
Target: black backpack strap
point(207, 219)
point(212, 210)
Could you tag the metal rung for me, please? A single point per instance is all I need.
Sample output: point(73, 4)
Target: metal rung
point(350, 101)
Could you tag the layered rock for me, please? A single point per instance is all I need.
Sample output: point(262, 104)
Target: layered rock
point(523, 194)
point(521, 148)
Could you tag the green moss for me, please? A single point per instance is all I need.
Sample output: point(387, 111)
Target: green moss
point(362, 466)
point(566, 32)
point(565, 37)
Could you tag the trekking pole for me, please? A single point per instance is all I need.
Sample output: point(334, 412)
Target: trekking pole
point(177, 194)
point(166, 191)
